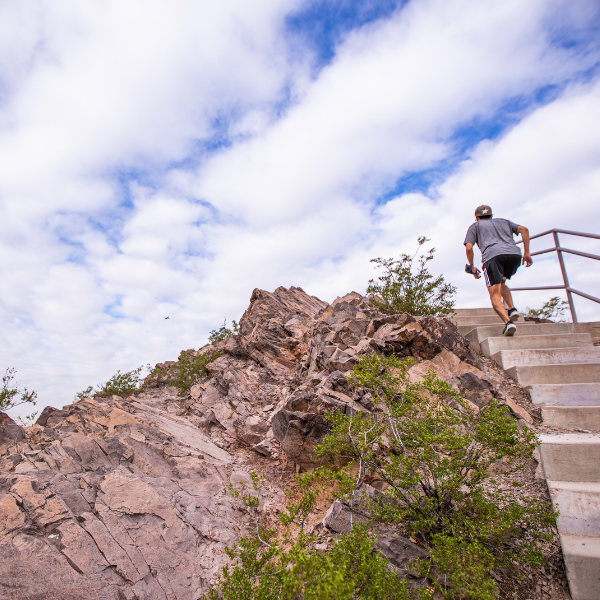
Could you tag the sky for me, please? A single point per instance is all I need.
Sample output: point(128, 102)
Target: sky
point(166, 158)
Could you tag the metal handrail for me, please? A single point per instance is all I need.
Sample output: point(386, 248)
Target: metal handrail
point(559, 251)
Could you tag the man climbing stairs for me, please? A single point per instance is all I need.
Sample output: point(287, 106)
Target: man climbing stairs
point(559, 365)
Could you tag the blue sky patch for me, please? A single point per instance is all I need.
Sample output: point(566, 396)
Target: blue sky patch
point(322, 24)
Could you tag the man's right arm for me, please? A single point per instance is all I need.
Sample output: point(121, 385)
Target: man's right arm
point(527, 260)
point(469, 247)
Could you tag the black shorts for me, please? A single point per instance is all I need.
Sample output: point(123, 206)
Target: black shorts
point(500, 267)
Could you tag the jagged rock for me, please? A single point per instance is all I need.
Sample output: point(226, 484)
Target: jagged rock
point(394, 548)
point(10, 432)
point(116, 498)
point(340, 518)
point(474, 388)
point(298, 433)
point(43, 418)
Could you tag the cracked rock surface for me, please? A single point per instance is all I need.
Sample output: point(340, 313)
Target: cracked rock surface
point(126, 498)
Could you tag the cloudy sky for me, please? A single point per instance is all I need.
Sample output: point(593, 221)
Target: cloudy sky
point(165, 158)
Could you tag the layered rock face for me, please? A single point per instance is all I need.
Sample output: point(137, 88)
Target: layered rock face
point(125, 498)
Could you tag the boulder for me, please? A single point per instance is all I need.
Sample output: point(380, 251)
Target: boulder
point(397, 550)
point(10, 432)
point(43, 418)
point(298, 433)
point(475, 389)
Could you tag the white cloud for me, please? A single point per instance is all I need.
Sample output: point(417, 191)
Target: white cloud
point(101, 237)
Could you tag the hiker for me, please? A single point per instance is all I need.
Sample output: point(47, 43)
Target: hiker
point(501, 257)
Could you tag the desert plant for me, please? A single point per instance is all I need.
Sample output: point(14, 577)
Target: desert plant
point(120, 384)
point(265, 567)
point(191, 367)
point(216, 335)
point(87, 393)
point(26, 420)
point(405, 287)
point(11, 395)
point(553, 309)
point(437, 455)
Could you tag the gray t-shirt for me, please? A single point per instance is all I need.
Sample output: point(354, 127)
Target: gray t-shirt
point(494, 237)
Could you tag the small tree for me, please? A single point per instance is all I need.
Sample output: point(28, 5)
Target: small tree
point(191, 367)
point(406, 289)
point(120, 384)
point(439, 459)
point(553, 309)
point(11, 396)
point(216, 335)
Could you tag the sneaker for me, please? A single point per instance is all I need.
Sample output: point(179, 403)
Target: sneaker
point(509, 329)
point(513, 314)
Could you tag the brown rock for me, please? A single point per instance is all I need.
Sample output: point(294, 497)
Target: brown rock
point(10, 432)
point(128, 499)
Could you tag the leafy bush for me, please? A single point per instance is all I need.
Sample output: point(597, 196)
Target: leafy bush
point(191, 367)
point(348, 570)
point(216, 335)
point(438, 458)
point(553, 309)
point(282, 569)
point(10, 394)
point(416, 292)
point(87, 393)
point(120, 384)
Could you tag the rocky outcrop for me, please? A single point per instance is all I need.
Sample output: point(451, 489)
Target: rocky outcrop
point(126, 498)
point(10, 432)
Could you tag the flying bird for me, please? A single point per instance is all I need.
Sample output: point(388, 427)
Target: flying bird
point(166, 318)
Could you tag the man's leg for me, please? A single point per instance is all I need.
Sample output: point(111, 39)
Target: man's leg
point(507, 296)
point(495, 292)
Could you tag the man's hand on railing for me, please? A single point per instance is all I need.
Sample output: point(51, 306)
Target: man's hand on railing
point(527, 260)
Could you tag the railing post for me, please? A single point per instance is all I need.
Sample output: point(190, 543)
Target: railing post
point(565, 277)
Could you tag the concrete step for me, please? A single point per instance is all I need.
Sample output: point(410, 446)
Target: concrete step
point(572, 417)
point(552, 374)
point(492, 345)
point(582, 557)
point(573, 394)
point(477, 321)
point(571, 457)
point(579, 506)
point(549, 356)
point(476, 336)
point(474, 312)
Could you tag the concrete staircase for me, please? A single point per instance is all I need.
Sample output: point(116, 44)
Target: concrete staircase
point(560, 366)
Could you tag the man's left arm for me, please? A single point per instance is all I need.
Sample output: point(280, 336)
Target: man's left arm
point(527, 260)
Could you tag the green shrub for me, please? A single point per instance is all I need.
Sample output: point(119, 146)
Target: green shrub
point(404, 289)
point(349, 570)
point(216, 335)
point(10, 394)
point(553, 309)
point(191, 367)
point(264, 568)
point(438, 457)
point(120, 384)
point(87, 393)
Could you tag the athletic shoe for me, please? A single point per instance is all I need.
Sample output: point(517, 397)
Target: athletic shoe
point(513, 314)
point(509, 329)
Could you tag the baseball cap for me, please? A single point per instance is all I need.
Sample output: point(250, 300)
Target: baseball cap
point(483, 211)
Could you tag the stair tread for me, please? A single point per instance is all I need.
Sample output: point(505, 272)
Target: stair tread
point(591, 487)
point(570, 438)
point(581, 545)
